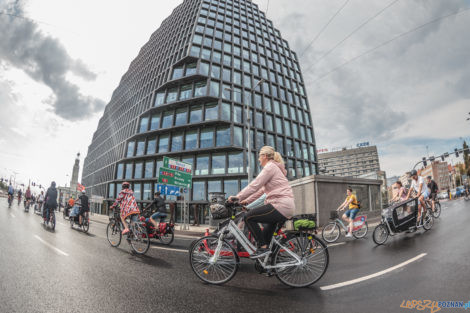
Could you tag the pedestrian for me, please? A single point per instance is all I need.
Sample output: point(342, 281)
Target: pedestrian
point(172, 211)
point(448, 194)
point(196, 215)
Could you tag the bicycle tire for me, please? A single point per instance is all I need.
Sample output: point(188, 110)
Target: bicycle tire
point(382, 231)
point(312, 250)
point(167, 238)
point(200, 254)
point(428, 220)
point(329, 229)
point(114, 230)
point(358, 234)
point(139, 234)
point(437, 210)
point(85, 225)
point(52, 221)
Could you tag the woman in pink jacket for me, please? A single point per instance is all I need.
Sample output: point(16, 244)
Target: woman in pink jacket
point(279, 204)
point(128, 205)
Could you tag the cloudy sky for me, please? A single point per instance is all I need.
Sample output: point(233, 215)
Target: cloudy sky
point(368, 77)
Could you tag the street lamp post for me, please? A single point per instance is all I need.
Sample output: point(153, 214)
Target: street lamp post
point(247, 129)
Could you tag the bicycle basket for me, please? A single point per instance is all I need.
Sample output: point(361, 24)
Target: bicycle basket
point(219, 211)
point(334, 214)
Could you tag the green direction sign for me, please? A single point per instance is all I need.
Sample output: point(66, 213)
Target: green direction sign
point(177, 165)
point(173, 177)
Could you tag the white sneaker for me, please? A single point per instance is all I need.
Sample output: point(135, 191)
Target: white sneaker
point(349, 235)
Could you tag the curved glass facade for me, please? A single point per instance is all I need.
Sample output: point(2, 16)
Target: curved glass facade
point(187, 96)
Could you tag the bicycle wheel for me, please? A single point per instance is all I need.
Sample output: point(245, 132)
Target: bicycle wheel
point(437, 210)
point(167, 238)
point(362, 232)
point(331, 232)
point(314, 257)
point(380, 234)
point(113, 233)
point(217, 271)
point(428, 220)
point(85, 225)
point(52, 220)
point(140, 242)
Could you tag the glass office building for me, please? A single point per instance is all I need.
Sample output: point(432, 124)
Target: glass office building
point(187, 95)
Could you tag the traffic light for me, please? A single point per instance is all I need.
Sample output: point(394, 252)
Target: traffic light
point(424, 162)
point(456, 152)
point(432, 159)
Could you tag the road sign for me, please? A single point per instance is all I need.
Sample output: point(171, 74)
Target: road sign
point(173, 177)
point(168, 190)
point(177, 165)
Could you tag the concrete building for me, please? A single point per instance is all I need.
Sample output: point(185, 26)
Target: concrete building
point(185, 96)
point(349, 162)
point(439, 172)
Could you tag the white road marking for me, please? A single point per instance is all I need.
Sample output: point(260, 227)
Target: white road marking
point(51, 246)
point(12, 215)
point(360, 279)
point(170, 249)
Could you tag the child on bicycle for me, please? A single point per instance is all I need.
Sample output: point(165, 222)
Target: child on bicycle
point(128, 205)
point(351, 213)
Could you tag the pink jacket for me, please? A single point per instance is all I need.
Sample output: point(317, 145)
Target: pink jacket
point(272, 181)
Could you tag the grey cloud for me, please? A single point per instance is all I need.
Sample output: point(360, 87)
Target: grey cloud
point(45, 60)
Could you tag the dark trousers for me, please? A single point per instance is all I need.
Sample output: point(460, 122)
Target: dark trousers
point(267, 215)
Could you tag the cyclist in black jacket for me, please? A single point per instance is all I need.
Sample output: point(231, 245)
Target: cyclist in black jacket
point(160, 207)
point(50, 201)
point(433, 189)
point(84, 208)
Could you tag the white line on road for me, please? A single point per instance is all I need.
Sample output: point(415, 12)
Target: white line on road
point(12, 215)
point(360, 279)
point(51, 246)
point(170, 249)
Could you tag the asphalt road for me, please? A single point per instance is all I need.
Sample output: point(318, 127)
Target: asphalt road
point(70, 271)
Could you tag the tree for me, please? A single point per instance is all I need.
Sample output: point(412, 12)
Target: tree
point(466, 158)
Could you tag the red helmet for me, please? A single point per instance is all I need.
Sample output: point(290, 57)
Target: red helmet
point(126, 184)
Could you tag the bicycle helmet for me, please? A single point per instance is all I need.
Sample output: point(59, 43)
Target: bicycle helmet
point(83, 191)
point(413, 173)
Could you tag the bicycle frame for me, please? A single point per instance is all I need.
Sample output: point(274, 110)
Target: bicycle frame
point(248, 246)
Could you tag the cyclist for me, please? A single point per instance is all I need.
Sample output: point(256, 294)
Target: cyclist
point(11, 191)
point(160, 209)
point(84, 207)
point(20, 193)
point(50, 201)
point(40, 200)
point(279, 204)
point(433, 189)
point(128, 205)
point(421, 190)
point(27, 196)
point(351, 213)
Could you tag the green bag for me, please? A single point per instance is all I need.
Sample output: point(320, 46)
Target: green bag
point(304, 223)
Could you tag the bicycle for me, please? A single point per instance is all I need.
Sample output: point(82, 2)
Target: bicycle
point(437, 207)
point(297, 259)
point(137, 236)
point(332, 231)
point(10, 200)
point(51, 219)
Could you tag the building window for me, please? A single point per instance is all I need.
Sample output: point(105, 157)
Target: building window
point(211, 111)
point(196, 114)
point(215, 71)
point(237, 114)
point(186, 91)
point(199, 190)
point(181, 117)
point(137, 192)
point(177, 142)
point(155, 122)
point(214, 186)
point(191, 140)
point(260, 139)
point(226, 108)
point(111, 191)
point(163, 144)
point(223, 137)
point(147, 192)
point(148, 169)
point(140, 147)
point(151, 146)
point(144, 123)
point(214, 90)
point(138, 170)
point(120, 171)
point(190, 69)
point(160, 98)
point(204, 68)
point(207, 138)
point(202, 165)
point(287, 128)
point(200, 89)
point(167, 119)
point(231, 187)
point(238, 136)
point(129, 168)
point(235, 163)
point(177, 72)
point(218, 163)
point(130, 148)
point(172, 95)
point(280, 145)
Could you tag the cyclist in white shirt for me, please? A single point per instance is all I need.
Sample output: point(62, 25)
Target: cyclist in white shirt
point(421, 189)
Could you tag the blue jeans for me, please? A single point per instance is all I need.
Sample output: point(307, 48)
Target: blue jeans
point(160, 215)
